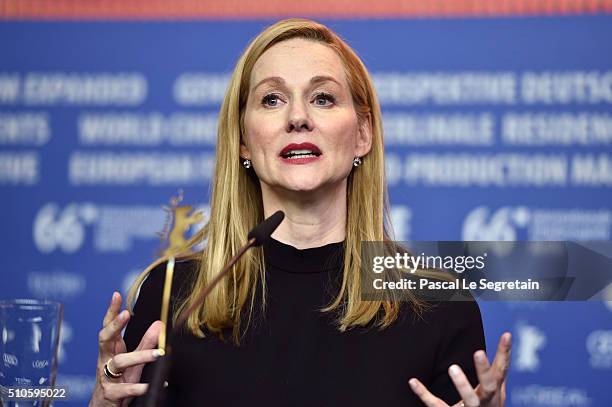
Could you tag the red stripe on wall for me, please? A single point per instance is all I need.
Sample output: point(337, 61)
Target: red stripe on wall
point(254, 9)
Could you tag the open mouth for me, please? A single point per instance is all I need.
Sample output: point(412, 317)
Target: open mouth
point(301, 150)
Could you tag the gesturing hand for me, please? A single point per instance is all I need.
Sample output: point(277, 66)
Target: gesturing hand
point(127, 366)
point(491, 390)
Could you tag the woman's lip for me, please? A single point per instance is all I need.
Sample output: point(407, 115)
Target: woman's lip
point(300, 160)
point(300, 146)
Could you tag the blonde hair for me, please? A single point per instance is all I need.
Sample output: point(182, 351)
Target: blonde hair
point(236, 202)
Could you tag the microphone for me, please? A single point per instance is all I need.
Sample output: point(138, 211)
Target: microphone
point(264, 230)
point(257, 237)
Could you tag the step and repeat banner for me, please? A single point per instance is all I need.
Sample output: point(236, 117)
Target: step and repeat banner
point(496, 128)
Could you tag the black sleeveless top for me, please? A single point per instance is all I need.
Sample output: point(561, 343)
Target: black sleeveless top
point(294, 355)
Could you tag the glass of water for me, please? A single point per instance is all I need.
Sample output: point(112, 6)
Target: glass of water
point(29, 339)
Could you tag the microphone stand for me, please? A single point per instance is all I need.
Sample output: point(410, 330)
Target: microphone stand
point(162, 365)
point(257, 237)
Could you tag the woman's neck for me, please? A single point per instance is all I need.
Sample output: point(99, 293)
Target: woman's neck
point(312, 219)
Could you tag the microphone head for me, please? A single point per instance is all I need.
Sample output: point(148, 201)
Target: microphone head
point(264, 230)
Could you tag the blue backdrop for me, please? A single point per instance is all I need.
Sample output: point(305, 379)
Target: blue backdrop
point(495, 129)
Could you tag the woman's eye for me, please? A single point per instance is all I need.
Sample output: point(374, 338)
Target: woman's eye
point(270, 100)
point(324, 99)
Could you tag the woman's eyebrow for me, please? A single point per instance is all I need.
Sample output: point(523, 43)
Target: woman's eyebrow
point(315, 80)
point(277, 80)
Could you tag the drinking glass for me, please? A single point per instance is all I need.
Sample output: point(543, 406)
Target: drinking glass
point(30, 332)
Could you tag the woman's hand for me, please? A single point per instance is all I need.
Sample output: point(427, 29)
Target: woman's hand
point(491, 390)
point(112, 352)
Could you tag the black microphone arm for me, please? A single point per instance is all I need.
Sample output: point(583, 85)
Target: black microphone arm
point(257, 237)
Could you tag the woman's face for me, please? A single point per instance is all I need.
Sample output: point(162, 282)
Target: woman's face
point(301, 128)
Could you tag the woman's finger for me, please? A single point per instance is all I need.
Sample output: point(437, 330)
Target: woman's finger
point(112, 331)
point(486, 376)
point(122, 361)
point(148, 341)
point(465, 389)
point(501, 363)
point(151, 336)
point(120, 391)
point(113, 309)
point(425, 395)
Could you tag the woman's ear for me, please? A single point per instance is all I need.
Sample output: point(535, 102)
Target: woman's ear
point(364, 138)
point(244, 152)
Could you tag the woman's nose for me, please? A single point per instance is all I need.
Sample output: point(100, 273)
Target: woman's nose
point(299, 118)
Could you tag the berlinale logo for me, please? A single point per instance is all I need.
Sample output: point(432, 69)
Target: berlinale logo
point(530, 341)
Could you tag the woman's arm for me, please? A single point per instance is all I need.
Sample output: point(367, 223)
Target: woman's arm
point(463, 335)
point(118, 371)
point(147, 309)
point(469, 377)
point(128, 357)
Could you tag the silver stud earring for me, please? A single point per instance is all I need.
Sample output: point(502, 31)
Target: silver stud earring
point(356, 161)
point(246, 163)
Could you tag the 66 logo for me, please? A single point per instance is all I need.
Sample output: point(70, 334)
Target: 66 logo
point(501, 225)
point(55, 228)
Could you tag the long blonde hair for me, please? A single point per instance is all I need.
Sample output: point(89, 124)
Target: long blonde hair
point(236, 202)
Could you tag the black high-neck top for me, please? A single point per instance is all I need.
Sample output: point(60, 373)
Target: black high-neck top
point(294, 355)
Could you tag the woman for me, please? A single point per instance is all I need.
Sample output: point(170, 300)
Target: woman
point(299, 130)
